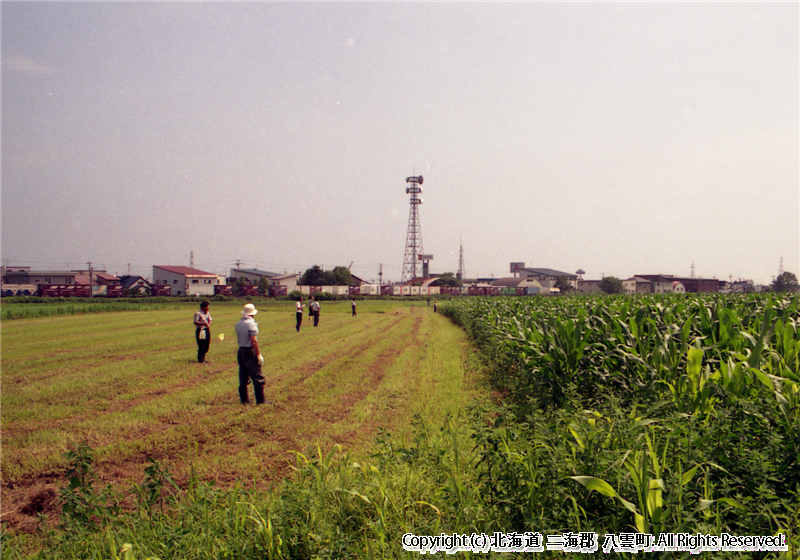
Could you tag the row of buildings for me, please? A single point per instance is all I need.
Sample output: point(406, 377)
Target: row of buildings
point(184, 280)
point(537, 281)
point(166, 280)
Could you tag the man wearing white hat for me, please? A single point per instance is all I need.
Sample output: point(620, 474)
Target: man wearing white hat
point(249, 356)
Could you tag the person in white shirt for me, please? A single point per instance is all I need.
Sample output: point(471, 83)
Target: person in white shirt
point(202, 320)
point(315, 310)
point(299, 312)
point(249, 356)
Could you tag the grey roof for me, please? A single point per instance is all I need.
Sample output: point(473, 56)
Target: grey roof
point(509, 282)
point(549, 272)
point(257, 272)
point(186, 271)
point(128, 281)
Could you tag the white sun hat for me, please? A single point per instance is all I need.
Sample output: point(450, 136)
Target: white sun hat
point(249, 309)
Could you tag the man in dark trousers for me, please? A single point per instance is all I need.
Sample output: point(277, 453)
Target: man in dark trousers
point(315, 310)
point(249, 356)
point(202, 320)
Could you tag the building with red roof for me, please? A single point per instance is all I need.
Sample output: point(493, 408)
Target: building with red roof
point(185, 280)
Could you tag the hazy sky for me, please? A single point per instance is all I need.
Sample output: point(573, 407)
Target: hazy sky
point(619, 138)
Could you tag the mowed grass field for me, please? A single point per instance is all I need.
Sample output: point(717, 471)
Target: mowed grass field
point(128, 383)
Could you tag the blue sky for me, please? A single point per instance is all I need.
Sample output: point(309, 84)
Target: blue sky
point(618, 138)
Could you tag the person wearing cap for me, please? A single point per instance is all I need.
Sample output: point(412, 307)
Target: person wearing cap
point(249, 356)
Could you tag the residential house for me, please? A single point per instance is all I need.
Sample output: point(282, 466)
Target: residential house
point(185, 280)
point(135, 284)
point(637, 285)
point(283, 284)
point(659, 283)
point(105, 279)
point(589, 286)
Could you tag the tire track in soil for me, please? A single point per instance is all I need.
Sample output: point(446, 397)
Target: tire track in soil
point(375, 376)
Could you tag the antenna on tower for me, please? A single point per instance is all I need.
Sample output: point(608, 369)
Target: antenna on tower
point(191, 259)
point(460, 259)
point(414, 234)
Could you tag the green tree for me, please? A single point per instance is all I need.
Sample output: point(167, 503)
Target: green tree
point(611, 285)
point(562, 283)
point(314, 276)
point(786, 282)
point(238, 284)
point(340, 276)
point(263, 285)
point(448, 279)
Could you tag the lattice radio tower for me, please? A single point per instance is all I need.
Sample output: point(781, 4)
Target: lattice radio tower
point(414, 234)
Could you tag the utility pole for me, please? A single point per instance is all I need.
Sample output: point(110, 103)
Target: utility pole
point(91, 291)
point(191, 259)
point(380, 275)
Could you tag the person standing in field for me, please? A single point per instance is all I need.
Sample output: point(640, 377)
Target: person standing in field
point(435, 306)
point(202, 320)
point(314, 307)
point(299, 312)
point(249, 356)
point(354, 307)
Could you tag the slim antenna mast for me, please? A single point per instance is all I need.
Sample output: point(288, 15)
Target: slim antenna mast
point(461, 260)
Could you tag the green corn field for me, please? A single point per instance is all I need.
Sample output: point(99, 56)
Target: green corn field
point(680, 349)
point(649, 414)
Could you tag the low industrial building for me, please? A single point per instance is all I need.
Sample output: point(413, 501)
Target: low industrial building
point(667, 284)
point(39, 277)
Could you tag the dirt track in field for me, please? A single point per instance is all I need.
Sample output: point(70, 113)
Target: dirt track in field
point(222, 430)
